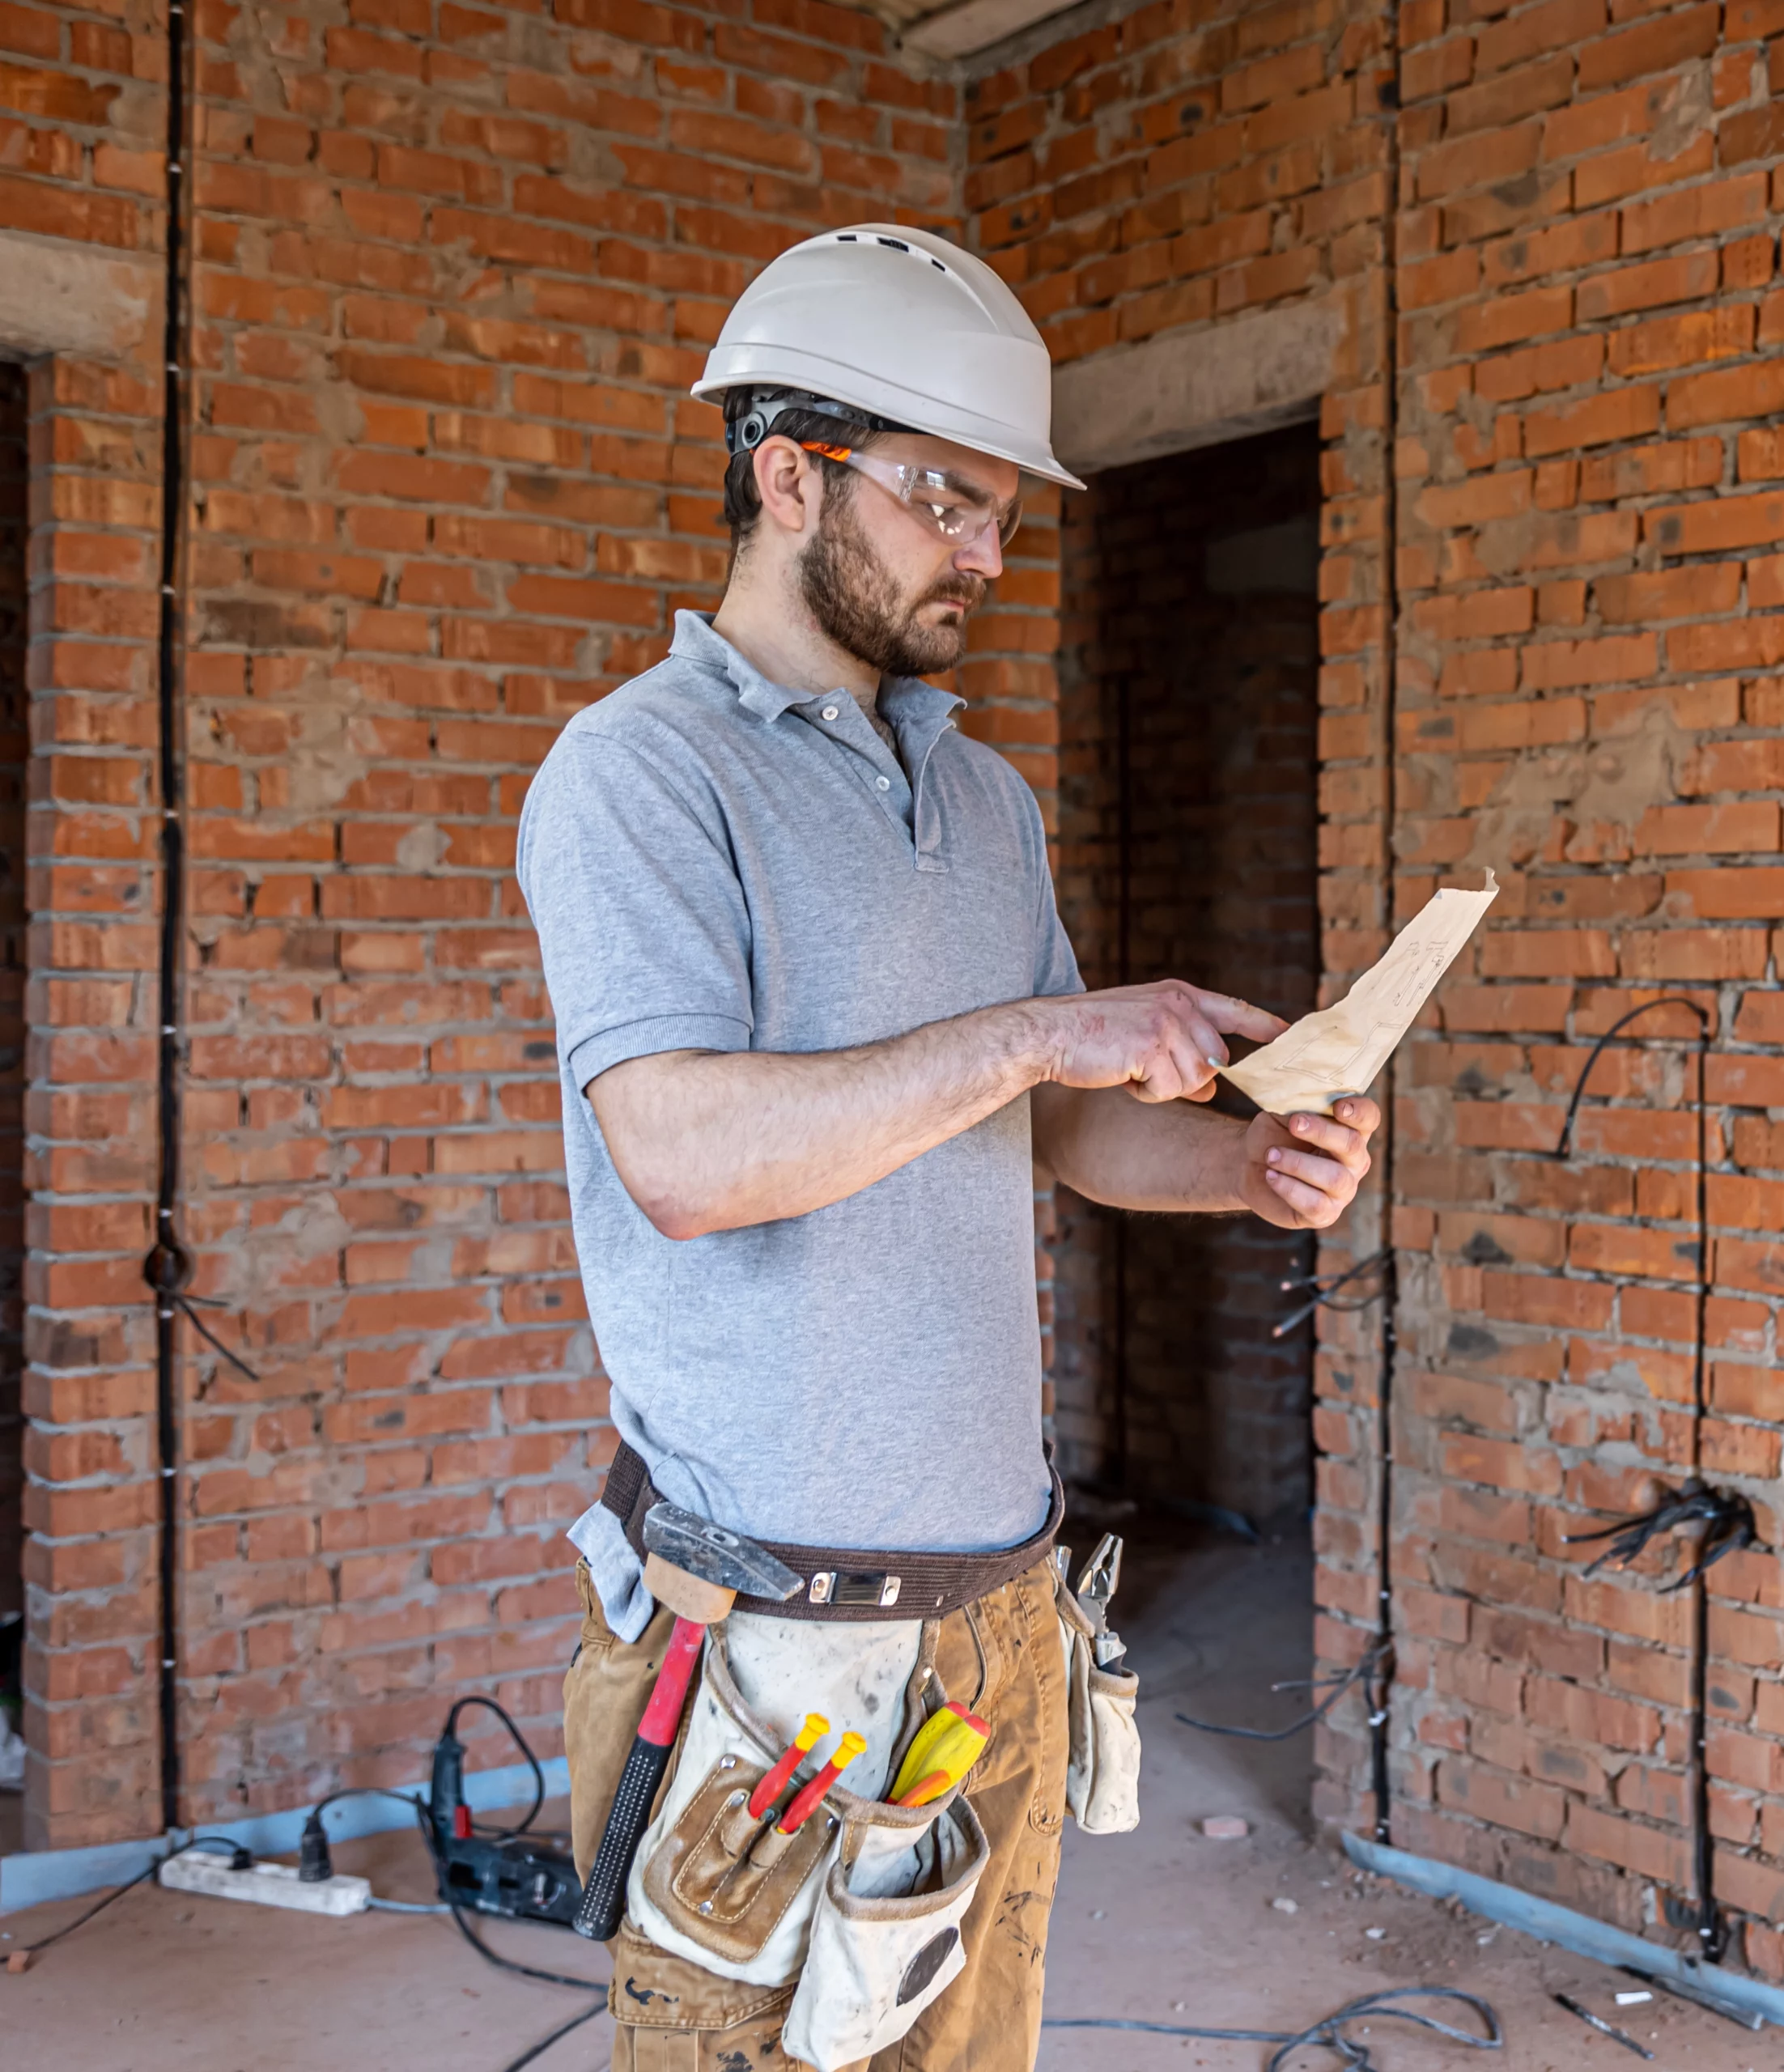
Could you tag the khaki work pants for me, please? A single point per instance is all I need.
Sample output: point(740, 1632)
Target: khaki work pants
point(1002, 1657)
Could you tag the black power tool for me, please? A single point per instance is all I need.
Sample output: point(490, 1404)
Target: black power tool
point(501, 1870)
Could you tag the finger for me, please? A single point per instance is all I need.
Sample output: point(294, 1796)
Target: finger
point(1195, 1062)
point(1161, 1078)
point(1362, 1115)
point(1328, 1174)
point(1308, 1204)
point(1238, 1017)
point(1344, 1143)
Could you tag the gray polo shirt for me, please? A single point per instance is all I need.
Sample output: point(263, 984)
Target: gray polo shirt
point(715, 862)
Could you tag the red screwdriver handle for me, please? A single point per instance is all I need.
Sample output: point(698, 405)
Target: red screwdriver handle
point(603, 1905)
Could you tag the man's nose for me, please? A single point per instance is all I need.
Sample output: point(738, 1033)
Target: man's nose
point(984, 556)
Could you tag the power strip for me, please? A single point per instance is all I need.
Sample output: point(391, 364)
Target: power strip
point(265, 1884)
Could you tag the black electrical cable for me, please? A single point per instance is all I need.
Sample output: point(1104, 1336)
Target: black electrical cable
point(1361, 1668)
point(408, 1799)
point(168, 1266)
point(1325, 1287)
point(1329, 2031)
point(117, 1891)
point(1381, 1690)
point(519, 1740)
point(1726, 1517)
point(557, 2035)
point(521, 1970)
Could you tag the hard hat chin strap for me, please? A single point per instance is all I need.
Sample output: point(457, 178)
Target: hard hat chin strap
point(751, 417)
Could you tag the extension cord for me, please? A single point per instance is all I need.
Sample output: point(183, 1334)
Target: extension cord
point(265, 1884)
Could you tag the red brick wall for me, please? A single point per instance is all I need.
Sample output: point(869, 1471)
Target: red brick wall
point(447, 487)
point(78, 161)
point(1217, 661)
point(14, 751)
point(1586, 536)
point(1589, 555)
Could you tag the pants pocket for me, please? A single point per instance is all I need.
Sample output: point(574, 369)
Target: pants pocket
point(1102, 1771)
point(885, 1938)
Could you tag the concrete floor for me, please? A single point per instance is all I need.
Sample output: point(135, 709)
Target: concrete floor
point(1161, 1925)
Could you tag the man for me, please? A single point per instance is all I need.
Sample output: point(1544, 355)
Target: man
point(819, 1027)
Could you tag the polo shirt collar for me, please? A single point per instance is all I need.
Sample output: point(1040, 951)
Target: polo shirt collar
point(906, 702)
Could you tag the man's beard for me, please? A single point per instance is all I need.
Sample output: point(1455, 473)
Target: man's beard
point(851, 594)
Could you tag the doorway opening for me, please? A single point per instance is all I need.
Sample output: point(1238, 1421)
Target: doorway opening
point(1189, 849)
point(15, 748)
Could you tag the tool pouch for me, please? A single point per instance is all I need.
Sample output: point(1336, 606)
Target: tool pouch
point(1103, 1773)
point(711, 1884)
point(885, 1936)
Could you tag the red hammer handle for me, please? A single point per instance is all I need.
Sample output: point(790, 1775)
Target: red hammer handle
point(663, 1714)
point(603, 1904)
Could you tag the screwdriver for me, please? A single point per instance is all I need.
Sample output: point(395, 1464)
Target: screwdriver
point(774, 1782)
point(805, 1800)
point(951, 1739)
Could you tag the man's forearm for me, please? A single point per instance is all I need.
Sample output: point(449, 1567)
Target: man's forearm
point(1106, 1146)
point(707, 1141)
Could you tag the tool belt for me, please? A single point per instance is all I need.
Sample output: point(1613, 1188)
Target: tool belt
point(853, 1582)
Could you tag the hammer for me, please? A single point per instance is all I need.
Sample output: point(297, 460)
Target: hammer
point(697, 1569)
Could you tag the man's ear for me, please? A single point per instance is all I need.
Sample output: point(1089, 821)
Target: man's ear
point(791, 486)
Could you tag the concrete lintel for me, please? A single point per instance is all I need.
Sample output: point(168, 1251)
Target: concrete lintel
point(976, 25)
point(56, 296)
point(1195, 387)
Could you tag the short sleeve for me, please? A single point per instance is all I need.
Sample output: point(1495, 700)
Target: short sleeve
point(641, 920)
point(1055, 967)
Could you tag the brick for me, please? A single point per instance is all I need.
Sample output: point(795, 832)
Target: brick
point(1649, 285)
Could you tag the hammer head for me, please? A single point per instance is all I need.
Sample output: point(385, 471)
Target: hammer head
point(726, 1560)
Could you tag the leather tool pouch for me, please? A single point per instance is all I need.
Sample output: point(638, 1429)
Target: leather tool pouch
point(729, 1893)
point(727, 1881)
point(1102, 1774)
point(863, 1904)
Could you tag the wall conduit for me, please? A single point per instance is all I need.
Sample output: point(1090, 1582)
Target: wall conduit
point(1381, 1680)
point(168, 1266)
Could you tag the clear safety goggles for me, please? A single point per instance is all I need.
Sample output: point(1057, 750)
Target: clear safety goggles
point(962, 514)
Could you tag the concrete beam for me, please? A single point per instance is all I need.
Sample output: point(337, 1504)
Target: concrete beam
point(959, 32)
point(60, 297)
point(1194, 388)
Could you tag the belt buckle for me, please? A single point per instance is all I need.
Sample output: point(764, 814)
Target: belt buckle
point(874, 1590)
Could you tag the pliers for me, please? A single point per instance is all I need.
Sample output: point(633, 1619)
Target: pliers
point(1098, 1581)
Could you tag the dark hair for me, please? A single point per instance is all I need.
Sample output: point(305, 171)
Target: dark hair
point(742, 498)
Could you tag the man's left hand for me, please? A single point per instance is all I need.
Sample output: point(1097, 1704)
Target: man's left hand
point(1303, 1172)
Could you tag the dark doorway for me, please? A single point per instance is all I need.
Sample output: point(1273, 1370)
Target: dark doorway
point(1189, 849)
point(14, 750)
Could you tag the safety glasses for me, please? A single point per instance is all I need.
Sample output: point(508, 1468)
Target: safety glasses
point(960, 513)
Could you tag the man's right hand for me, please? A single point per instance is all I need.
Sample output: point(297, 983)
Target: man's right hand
point(1162, 1041)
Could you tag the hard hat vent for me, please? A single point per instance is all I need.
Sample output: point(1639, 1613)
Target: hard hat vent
point(891, 243)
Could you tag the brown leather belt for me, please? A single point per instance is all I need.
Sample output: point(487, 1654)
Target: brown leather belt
point(853, 1582)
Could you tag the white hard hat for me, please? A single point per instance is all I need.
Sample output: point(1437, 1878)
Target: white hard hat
point(903, 326)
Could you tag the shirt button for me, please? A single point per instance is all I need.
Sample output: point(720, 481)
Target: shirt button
point(885, 783)
point(829, 712)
